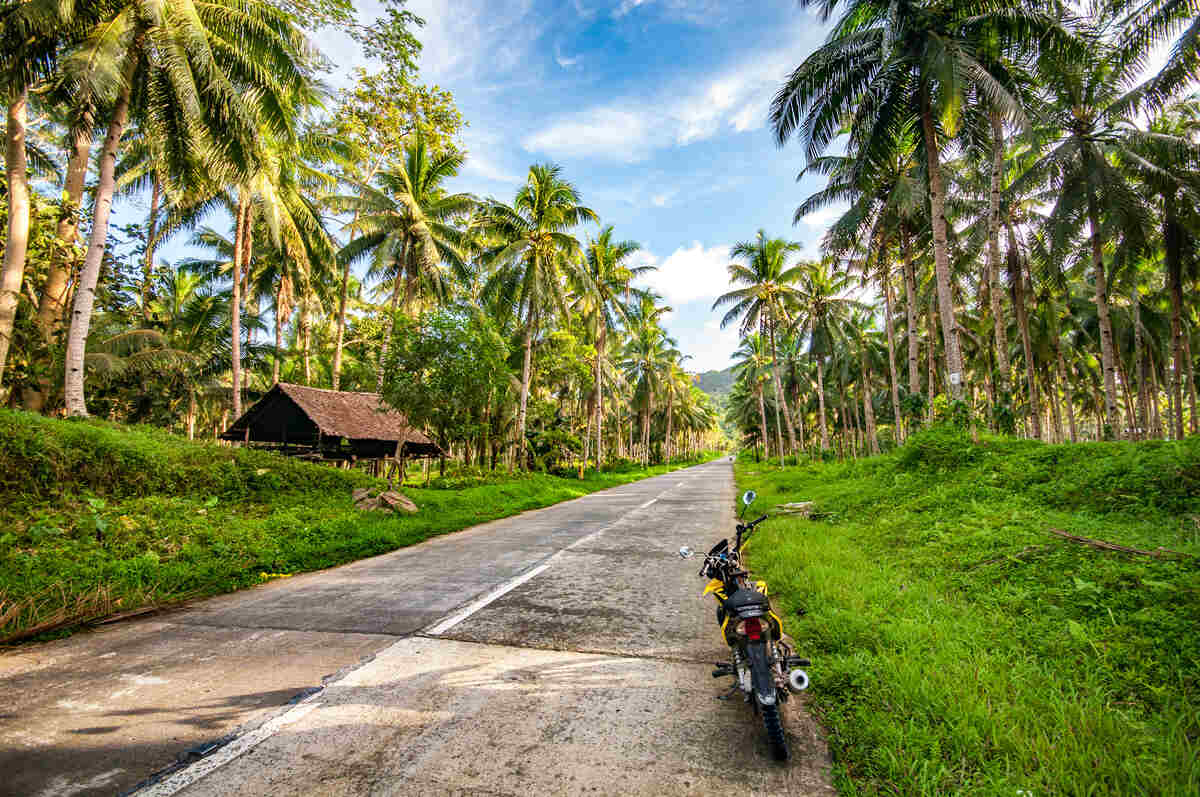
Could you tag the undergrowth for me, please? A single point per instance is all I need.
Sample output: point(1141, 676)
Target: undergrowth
point(959, 647)
point(98, 519)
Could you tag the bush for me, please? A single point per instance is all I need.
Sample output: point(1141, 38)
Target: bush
point(943, 446)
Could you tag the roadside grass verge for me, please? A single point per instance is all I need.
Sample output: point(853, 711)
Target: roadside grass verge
point(98, 519)
point(958, 647)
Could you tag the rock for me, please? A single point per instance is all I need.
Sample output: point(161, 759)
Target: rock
point(389, 501)
point(397, 502)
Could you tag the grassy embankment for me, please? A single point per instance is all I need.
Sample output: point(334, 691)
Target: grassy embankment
point(97, 519)
point(960, 648)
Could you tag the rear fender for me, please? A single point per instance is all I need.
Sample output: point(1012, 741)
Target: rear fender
point(760, 673)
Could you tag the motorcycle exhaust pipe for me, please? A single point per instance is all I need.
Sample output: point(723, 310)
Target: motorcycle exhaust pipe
point(798, 680)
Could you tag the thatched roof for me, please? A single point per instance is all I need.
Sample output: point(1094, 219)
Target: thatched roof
point(302, 415)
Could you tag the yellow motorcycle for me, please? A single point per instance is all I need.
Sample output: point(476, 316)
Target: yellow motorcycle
point(761, 662)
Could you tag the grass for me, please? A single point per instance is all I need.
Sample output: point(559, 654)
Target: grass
point(960, 648)
point(98, 519)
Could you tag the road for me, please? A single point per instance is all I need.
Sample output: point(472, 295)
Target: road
point(565, 650)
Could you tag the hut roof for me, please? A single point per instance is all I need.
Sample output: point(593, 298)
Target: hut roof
point(334, 413)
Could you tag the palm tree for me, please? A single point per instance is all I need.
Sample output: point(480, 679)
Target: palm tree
point(751, 362)
point(1088, 110)
point(649, 357)
point(32, 35)
point(603, 307)
point(534, 249)
point(1165, 162)
point(765, 301)
point(888, 64)
point(408, 227)
point(821, 315)
point(245, 63)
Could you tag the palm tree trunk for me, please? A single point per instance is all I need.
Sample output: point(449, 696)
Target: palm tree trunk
point(670, 418)
point(762, 418)
point(941, 259)
point(781, 401)
point(387, 333)
point(85, 292)
point(1155, 414)
point(910, 300)
point(305, 331)
point(527, 344)
point(600, 340)
point(1191, 380)
point(1016, 274)
point(279, 313)
point(1107, 361)
point(235, 304)
point(891, 344)
point(931, 379)
point(151, 241)
point(868, 409)
point(339, 340)
point(191, 414)
point(52, 304)
point(1003, 388)
point(821, 403)
point(17, 242)
point(1055, 405)
point(1140, 359)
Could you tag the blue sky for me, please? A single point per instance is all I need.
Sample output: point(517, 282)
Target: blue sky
point(655, 109)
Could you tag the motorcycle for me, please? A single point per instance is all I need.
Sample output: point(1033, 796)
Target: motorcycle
point(761, 662)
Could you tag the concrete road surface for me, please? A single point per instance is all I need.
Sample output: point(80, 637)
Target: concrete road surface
point(562, 651)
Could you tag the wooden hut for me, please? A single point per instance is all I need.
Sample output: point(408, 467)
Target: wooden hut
point(332, 425)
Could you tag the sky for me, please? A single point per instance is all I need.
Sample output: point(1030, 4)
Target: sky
point(655, 109)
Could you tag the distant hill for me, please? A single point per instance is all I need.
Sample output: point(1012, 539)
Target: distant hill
point(716, 383)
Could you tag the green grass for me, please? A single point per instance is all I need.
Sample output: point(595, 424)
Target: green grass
point(98, 519)
point(960, 648)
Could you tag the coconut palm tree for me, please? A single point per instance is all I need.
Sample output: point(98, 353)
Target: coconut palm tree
point(752, 362)
point(1088, 109)
point(206, 77)
point(534, 249)
point(602, 304)
point(888, 64)
point(821, 313)
point(32, 37)
point(407, 224)
point(764, 301)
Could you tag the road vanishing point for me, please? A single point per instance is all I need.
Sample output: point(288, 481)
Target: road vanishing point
point(561, 651)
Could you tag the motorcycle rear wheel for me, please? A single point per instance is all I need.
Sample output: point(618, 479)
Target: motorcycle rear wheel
point(776, 741)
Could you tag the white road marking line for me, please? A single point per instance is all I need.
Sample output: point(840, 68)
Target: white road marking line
point(186, 777)
point(648, 503)
point(476, 605)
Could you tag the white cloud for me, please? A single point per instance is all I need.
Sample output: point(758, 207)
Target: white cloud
point(622, 135)
point(825, 216)
point(632, 129)
point(661, 200)
point(465, 38)
point(712, 348)
point(566, 62)
point(626, 6)
point(689, 273)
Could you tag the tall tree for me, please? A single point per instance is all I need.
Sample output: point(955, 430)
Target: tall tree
point(205, 76)
point(885, 64)
point(764, 301)
point(535, 248)
point(407, 225)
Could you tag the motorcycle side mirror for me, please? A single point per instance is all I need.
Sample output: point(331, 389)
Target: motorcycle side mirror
point(686, 553)
point(748, 497)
